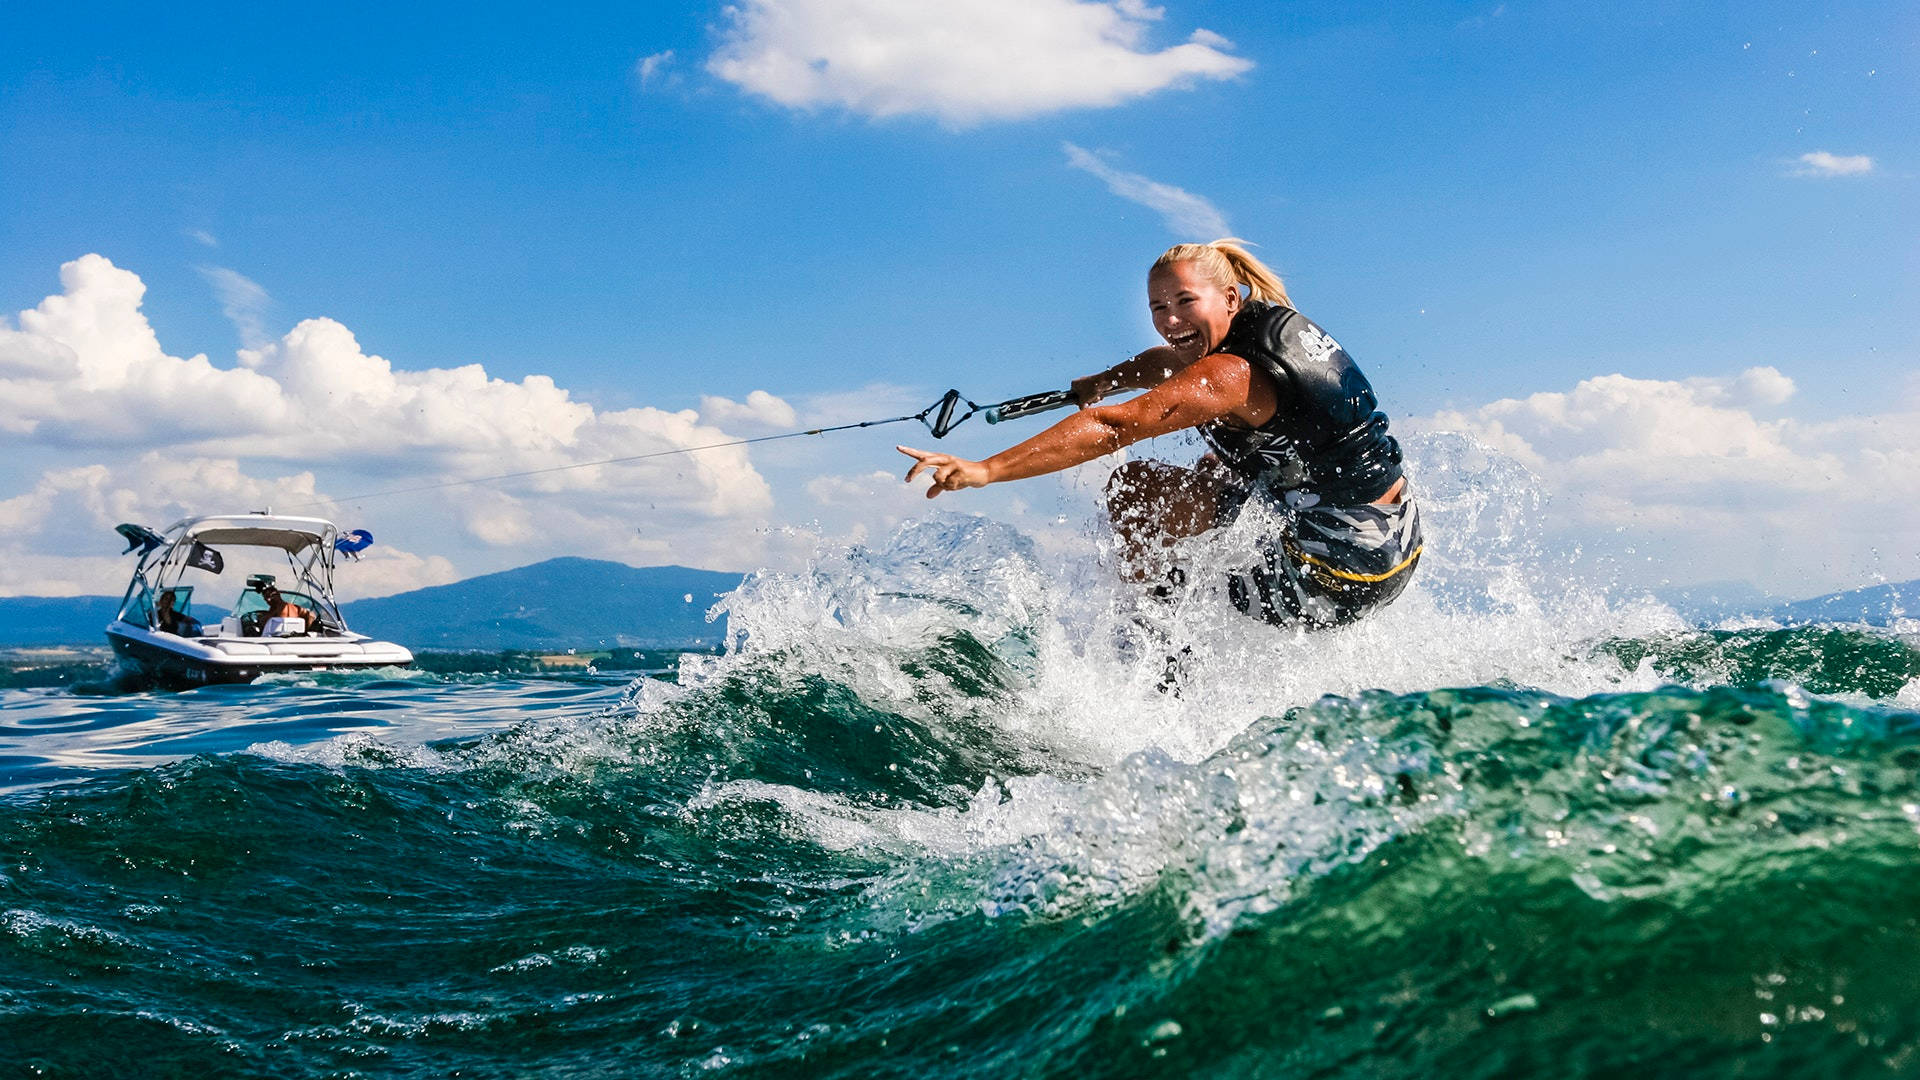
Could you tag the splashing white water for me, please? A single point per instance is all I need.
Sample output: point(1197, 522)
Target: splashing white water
point(1139, 782)
point(1487, 607)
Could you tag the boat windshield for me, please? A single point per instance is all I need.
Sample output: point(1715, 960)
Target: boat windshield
point(168, 609)
point(252, 609)
point(243, 572)
point(251, 601)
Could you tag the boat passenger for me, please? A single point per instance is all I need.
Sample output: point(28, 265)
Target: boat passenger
point(279, 607)
point(171, 620)
point(1291, 423)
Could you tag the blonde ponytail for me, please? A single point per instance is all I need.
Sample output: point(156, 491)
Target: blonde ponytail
point(1229, 264)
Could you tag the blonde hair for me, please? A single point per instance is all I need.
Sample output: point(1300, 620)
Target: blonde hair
point(1228, 264)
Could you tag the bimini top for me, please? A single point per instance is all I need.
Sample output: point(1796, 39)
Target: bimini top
point(289, 534)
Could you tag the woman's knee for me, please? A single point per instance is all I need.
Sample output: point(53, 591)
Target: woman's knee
point(1136, 479)
point(1140, 484)
point(1160, 498)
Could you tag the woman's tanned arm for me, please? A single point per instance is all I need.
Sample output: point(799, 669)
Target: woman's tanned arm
point(1142, 372)
point(1213, 387)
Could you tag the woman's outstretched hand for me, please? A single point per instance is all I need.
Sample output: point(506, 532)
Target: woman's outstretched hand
point(949, 473)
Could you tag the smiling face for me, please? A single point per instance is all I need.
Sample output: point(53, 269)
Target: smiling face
point(1190, 310)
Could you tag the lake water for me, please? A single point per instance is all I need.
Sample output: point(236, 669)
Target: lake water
point(933, 815)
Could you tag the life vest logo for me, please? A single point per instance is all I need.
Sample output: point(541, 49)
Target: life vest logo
point(1319, 346)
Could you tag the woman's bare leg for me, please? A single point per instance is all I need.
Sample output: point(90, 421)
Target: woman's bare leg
point(1152, 505)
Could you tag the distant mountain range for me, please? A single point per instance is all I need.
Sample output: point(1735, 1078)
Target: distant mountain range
point(1712, 601)
point(1876, 605)
point(593, 604)
point(558, 604)
point(56, 620)
point(561, 603)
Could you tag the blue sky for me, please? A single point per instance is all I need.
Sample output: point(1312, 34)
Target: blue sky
point(850, 205)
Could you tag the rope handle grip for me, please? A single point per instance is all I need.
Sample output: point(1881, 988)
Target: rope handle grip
point(1026, 406)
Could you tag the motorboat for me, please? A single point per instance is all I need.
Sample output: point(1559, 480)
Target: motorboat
point(284, 619)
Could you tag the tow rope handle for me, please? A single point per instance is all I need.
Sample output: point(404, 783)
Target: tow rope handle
point(946, 414)
point(943, 419)
point(1018, 407)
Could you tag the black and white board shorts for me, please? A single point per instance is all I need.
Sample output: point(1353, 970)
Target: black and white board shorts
point(1329, 565)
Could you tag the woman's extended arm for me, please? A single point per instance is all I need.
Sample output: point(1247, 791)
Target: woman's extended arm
point(1141, 372)
point(1211, 388)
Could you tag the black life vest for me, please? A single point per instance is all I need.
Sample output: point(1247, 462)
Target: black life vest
point(1326, 443)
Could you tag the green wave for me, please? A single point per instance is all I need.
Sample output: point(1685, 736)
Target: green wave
point(846, 864)
point(1823, 659)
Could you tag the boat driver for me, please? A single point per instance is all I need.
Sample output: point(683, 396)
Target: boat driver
point(279, 607)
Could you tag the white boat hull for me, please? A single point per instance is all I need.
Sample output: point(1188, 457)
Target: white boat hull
point(169, 658)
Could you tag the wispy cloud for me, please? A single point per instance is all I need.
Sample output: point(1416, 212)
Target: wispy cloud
point(1481, 20)
point(243, 301)
point(1821, 163)
point(202, 237)
point(1185, 213)
point(963, 63)
point(651, 68)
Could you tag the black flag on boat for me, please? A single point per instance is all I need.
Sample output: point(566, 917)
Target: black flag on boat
point(205, 558)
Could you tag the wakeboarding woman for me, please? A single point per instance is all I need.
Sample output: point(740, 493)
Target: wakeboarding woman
point(1291, 422)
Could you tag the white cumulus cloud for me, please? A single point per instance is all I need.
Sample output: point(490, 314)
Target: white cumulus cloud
point(56, 539)
point(1719, 487)
point(1621, 437)
point(84, 375)
point(761, 409)
point(1822, 163)
point(1186, 214)
point(84, 368)
point(963, 63)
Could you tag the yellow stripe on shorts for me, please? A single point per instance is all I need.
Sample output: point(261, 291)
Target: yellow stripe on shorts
point(1351, 576)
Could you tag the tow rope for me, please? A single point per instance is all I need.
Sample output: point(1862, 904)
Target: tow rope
point(940, 418)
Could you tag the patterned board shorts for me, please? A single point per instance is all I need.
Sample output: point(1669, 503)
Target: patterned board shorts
point(1329, 565)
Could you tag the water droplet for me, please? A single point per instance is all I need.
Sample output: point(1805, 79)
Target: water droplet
point(1512, 1006)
